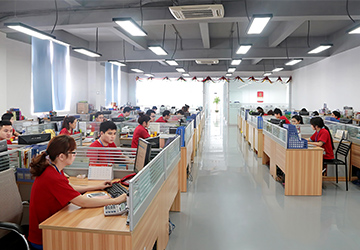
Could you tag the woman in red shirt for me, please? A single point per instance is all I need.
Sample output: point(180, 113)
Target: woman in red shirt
point(52, 191)
point(322, 138)
point(141, 130)
point(68, 125)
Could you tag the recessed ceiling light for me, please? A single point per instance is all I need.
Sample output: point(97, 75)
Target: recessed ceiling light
point(186, 74)
point(137, 70)
point(277, 69)
point(158, 50)
point(149, 75)
point(321, 48)
point(267, 74)
point(86, 52)
point(23, 28)
point(231, 70)
point(243, 49)
point(181, 70)
point(258, 23)
point(171, 62)
point(228, 74)
point(116, 62)
point(235, 61)
point(354, 30)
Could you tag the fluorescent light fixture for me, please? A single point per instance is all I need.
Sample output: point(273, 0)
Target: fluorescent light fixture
point(258, 23)
point(171, 62)
point(267, 74)
point(236, 62)
point(149, 75)
point(23, 28)
point(116, 62)
point(158, 50)
point(321, 48)
point(228, 74)
point(130, 26)
point(354, 30)
point(277, 69)
point(293, 62)
point(243, 49)
point(86, 52)
point(181, 70)
point(231, 70)
point(186, 74)
point(137, 70)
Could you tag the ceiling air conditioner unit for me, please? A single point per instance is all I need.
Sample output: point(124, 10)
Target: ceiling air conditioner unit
point(207, 61)
point(197, 12)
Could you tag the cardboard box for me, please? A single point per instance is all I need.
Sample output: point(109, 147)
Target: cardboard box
point(82, 108)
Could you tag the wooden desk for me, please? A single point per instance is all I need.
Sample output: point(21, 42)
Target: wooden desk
point(75, 228)
point(185, 161)
point(302, 167)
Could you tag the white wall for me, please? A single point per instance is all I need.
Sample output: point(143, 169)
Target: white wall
point(334, 80)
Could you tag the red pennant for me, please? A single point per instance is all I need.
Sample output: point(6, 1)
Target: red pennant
point(238, 78)
point(289, 80)
point(266, 78)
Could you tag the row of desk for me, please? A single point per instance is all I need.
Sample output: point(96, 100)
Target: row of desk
point(153, 193)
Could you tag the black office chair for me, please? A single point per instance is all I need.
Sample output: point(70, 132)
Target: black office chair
point(343, 150)
point(11, 208)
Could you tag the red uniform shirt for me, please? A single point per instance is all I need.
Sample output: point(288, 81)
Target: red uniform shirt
point(50, 193)
point(324, 136)
point(284, 118)
point(139, 132)
point(104, 157)
point(161, 119)
point(64, 131)
point(8, 142)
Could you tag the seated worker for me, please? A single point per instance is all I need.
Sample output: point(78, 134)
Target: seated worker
point(52, 191)
point(165, 116)
point(270, 112)
point(336, 115)
point(107, 135)
point(315, 113)
point(278, 115)
point(296, 119)
point(179, 112)
point(151, 113)
point(68, 125)
point(126, 112)
point(322, 138)
point(6, 131)
point(154, 108)
point(260, 110)
point(10, 117)
point(99, 117)
point(141, 130)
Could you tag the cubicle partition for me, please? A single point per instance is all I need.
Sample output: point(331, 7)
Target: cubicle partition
point(302, 166)
point(256, 138)
point(153, 192)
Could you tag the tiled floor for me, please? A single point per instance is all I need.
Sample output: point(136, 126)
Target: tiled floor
point(234, 203)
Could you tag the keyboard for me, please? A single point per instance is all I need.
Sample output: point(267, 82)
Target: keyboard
point(116, 190)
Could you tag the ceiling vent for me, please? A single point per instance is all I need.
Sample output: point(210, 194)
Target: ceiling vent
point(197, 12)
point(207, 61)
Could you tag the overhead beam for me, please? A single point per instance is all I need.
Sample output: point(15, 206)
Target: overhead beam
point(283, 30)
point(205, 36)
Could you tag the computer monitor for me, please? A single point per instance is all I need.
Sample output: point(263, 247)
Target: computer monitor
point(142, 155)
point(154, 141)
point(345, 120)
point(118, 119)
point(106, 112)
point(169, 140)
point(34, 139)
point(57, 118)
point(255, 113)
point(4, 159)
point(279, 122)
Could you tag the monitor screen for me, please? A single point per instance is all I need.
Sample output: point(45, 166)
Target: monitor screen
point(169, 140)
point(345, 120)
point(33, 139)
point(57, 118)
point(118, 119)
point(142, 155)
point(154, 141)
point(4, 159)
point(275, 121)
point(106, 112)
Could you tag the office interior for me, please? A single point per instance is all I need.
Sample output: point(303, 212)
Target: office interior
point(222, 149)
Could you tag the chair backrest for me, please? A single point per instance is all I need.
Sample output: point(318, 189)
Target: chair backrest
point(343, 148)
point(10, 201)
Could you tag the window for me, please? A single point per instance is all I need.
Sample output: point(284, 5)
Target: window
point(112, 84)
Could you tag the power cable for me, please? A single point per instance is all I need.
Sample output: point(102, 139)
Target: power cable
point(347, 11)
point(308, 35)
point(56, 18)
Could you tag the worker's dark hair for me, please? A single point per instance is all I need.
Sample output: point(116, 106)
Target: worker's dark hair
point(5, 123)
point(126, 109)
point(97, 114)
point(143, 118)
point(105, 126)
point(336, 113)
point(298, 118)
point(67, 121)
point(6, 116)
point(277, 111)
point(165, 113)
point(150, 111)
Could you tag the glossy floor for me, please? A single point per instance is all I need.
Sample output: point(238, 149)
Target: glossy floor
point(234, 203)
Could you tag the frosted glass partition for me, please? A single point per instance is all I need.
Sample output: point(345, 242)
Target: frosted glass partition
point(189, 131)
point(334, 126)
point(39, 128)
point(276, 132)
point(145, 185)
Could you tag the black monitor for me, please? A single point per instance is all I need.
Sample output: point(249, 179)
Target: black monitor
point(106, 112)
point(142, 155)
point(4, 159)
point(275, 121)
point(57, 118)
point(255, 113)
point(33, 139)
point(118, 119)
point(154, 141)
point(345, 120)
point(169, 140)
point(303, 113)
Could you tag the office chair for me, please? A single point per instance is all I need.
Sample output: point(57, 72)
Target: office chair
point(11, 208)
point(343, 150)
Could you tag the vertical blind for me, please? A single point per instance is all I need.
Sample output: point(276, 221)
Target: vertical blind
point(112, 84)
point(50, 66)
